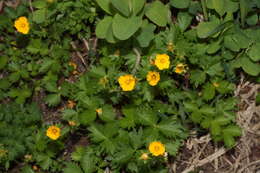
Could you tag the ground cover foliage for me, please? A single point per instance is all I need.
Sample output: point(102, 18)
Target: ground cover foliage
point(159, 71)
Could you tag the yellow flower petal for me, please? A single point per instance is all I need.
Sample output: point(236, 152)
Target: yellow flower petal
point(162, 61)
point(153, 78)
point(157, 148)
point(53, 132)
point(22, 25)
point(127, 82)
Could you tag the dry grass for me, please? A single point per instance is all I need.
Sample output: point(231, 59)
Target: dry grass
point(203, 156)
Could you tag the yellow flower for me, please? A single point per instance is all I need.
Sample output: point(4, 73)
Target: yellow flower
point(162, 61)
point(71, 104)
point(180, 68)
point(157, 148)
point(153, 78)
point(22, 25)
point(99, 111)
point(127, 82)
point(216, 84)
point(144, 156)
point(53, 132)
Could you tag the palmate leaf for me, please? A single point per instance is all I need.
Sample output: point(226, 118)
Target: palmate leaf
point(171, 128)
point(104, 136)
point(129, 120)
point(72, 167)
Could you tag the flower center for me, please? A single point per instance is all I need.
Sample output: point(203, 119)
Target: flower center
point(162, 61)
point(54, 131)
point(128, 81)
point(153, 77)
point(156, 148)
point(23, 25)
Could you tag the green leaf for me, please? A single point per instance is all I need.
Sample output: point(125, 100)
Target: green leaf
point(129, 120)
point(3, 62)
point(184, 20)
point(146, 34)
point(72, 167)
point(88, 164)
point(27, 169)
point(233, 130)
point(108, 113)
point(215, 129)
point(157, 12)
point(105, 5)
point(122, 6)
point(197, 77)
point(208, 92)
point(254, 52)
point(53, 99)
point(39, 16)
point(87, 117)
point(123, 28)
point(46, 65)
point(180, 3)
point(231, 43)
point(250, 67)
point(147, 117)
point(213, 47)
point(252, 20)
point(39, 4)
point(204, 29)
point(219, 6)
point(103, 26)
point(196, 117)
point(173, 147)
point(170, 128)
point(137, 6)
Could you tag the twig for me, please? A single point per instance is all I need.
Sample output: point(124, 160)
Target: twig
point(78, 54)
point(208, 159)
point(137, 62)
point(248, 165)
point(30, 4)
point(86, 44)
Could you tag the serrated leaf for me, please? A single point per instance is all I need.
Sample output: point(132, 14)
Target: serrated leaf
point(108, 113)
point(157, 12)
point(39, 16)
point(129, 120)
point(184, 20)
point(53, 99)
point(88, 164)
point(87, 117)
point(173, 147)
point(208, 92)
point(72, 167)
point(197, 77)
point(3, 62)
point(123, 28)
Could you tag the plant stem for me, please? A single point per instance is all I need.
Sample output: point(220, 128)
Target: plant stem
point(137, 62)
point(203, 4)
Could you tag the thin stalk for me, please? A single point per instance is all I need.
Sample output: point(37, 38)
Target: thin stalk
point(204, 8)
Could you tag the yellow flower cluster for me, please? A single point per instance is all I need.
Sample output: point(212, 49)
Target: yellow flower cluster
point(22, 25)
point(53, 132)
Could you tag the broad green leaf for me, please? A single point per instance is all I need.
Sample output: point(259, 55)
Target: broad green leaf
point(231, 43)
point(87, 117)
point(123, 28)
point(72, 167)
point(147, 117)
point(213, 47)
point(110, 37)
point(205, 29)
point(250, 67)
point(39, 4)
point(105, 5)
point(3, 62)
point(184, 20)
point(137, 6)
point(254, 52)
point(208, 92)
point(157, 12)
point(252, 20)
point(231, 6)
point(180, 3)
point(146, 34)
point(103, 27)
point(219, 6)
point(122, 6)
